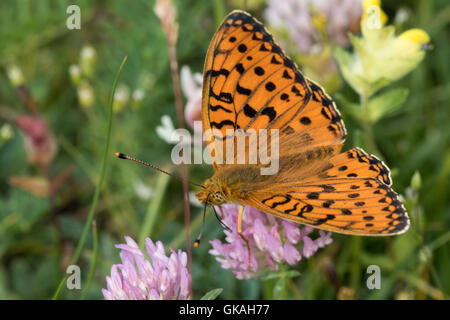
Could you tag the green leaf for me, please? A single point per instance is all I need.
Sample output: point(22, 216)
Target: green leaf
point(355, 111)
point(405, 246)
point(345, 61)
point(382, 260)
point(359, 139)
point(351, 108)
point(212, 295)
point(279, 288)
point(291, 274)
point(387, 102)
point(268, 275)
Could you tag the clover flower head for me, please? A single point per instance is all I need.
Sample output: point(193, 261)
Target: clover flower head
point(40, 144)
point(161, 277)
point(306, 22)
point(272, 242)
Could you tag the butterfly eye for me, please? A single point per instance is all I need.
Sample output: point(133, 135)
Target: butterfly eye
point(218, 197)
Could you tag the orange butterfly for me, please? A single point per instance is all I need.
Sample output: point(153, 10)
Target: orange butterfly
point(249, 83)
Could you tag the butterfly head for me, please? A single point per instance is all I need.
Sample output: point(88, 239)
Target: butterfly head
point(212, 193)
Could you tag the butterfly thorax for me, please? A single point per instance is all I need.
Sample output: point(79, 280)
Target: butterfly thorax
point(229, 185)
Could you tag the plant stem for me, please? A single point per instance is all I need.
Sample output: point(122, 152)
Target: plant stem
point(356, 244)
point(367, 126)
point(93, 262)
point(180, 118)
point(95, 200)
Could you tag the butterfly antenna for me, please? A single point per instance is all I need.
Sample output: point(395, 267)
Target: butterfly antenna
point(124, 156)
point(197, 241)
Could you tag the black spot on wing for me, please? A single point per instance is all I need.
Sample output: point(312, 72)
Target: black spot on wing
point(221, 124)
point(249, 111)
point(219, 107)
point(270, 112)
point(243, 90)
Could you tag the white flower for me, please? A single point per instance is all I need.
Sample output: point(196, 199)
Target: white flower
point(191, 84)
point(138, 95)
point(194, 201)
point(166, 131)
point(143, 191)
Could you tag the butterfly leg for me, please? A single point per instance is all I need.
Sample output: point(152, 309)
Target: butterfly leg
point(239, 230)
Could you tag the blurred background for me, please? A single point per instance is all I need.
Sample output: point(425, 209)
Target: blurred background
point(54, 89)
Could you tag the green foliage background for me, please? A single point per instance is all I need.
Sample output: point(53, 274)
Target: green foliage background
point(34, 254)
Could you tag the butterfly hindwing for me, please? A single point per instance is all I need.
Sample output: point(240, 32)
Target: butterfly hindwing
point(357, 163)
point(353, 195)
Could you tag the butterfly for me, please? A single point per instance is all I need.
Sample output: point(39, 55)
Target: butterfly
point(250, 83)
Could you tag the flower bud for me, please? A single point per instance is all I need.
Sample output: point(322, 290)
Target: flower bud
point(416, 181)
point(137, 97)
point(86, 94)
point(75, 74)
point(121, 98)
point(88, 59)
point(6, 133)
point(15, 76)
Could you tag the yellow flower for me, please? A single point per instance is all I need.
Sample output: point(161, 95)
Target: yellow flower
point(379, 56)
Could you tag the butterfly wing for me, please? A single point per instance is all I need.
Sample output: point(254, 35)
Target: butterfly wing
point(353, 196)
point(249, 83)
